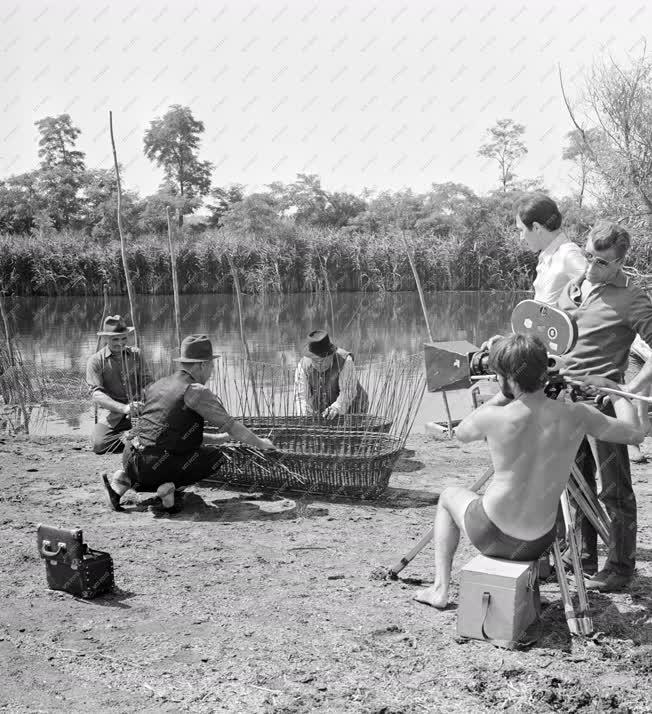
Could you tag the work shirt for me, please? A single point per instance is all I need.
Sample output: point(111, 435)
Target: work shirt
point(174, 413)
point(348, 386)
point(107, 372)
point(559, 263)
point(608, 319)
point(199, 398)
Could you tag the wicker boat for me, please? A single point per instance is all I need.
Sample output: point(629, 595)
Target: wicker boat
point(358, 422)
point(328, 461)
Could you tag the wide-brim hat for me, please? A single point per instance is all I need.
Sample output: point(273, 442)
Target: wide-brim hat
point(196, 348)
point(319, 344)
point(115, 325)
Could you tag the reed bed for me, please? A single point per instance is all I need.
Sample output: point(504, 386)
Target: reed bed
point(301, 260)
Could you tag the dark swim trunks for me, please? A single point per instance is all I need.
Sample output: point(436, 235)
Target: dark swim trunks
point(493, 543)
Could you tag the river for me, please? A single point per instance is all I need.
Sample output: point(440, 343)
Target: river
point(60, 333)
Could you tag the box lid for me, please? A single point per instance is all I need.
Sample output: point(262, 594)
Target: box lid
point(494, 566)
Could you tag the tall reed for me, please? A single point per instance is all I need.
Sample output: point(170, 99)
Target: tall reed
point(306, 260)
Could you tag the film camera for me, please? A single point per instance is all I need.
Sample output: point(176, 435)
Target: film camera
point(456, 365)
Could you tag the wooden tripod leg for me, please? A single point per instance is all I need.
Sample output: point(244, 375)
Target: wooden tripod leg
point(584, 617)
point(589, 505)
point(411, 555)
point(408, 557)
point(564, 591)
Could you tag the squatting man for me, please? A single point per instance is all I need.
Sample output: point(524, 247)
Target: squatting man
point(168, 449)
point(533, 441)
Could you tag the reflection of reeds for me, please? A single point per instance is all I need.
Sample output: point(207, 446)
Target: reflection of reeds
point(15, 382)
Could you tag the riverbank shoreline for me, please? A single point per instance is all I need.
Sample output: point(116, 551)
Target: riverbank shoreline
point(246, 602)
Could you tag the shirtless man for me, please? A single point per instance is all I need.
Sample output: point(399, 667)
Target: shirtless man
point(533, 441)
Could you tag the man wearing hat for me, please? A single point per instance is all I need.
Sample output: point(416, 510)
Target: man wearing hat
point(169, 450)
point(115, 377)
point(325, 383)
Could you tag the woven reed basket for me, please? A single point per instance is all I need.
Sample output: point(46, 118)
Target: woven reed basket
point(318, 459)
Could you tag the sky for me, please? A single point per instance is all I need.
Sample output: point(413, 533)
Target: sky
point(378, 95)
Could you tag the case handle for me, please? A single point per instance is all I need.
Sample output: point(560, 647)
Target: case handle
point(45, 549)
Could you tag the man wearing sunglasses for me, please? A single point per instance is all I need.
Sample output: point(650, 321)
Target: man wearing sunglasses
point(609, 313)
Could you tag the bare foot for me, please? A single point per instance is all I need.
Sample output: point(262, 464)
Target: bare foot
point(636, 455)
point(435, 597)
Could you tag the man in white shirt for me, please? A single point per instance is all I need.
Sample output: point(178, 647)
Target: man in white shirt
point(560, 260)
point(325, 383)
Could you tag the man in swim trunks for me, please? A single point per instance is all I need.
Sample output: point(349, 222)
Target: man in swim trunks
point(533, 441)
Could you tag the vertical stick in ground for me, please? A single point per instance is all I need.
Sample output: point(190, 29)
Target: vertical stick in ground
point(123, 249)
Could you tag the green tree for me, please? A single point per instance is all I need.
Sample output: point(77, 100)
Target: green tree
point(578, 150)
point(20, 201)
point(221, 199)
point(391, 211)
point(309, 204)
point(99, 210)
point(505, 147)
point(153, 213)
point(172, 143)
point(61, 169)
point(451, 207)
point(256, 215)
point(57, 143)
point(615, 131)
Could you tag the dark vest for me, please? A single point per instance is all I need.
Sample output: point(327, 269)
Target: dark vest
point(324, 387)
point(166, 423)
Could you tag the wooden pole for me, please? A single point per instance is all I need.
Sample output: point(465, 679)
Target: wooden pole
point(243, 339)
point(105, 309)
point(5, 322)
point(175, 282)
point(425, 317)
point(123, 249)
point(322, 264)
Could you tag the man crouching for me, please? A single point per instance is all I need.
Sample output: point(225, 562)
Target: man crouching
point(533, 441)
point(168, 449)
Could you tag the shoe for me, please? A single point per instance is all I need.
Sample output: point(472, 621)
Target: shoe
point(606, 581)
point(589, 566)
point(178, 504)
point(112, 498)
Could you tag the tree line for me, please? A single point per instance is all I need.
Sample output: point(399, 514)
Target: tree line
point(609, 153)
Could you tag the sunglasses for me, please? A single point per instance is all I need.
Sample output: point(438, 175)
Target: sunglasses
point(600, 262)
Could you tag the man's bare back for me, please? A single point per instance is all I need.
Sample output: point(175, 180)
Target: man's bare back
point(533, 441)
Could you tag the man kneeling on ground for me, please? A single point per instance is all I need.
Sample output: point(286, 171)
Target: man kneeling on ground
point(533, 441)
point(169, 449)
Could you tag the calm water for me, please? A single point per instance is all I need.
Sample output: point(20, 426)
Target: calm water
point(60, 332)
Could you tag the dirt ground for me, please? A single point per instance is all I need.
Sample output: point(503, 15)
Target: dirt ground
point(257, 603)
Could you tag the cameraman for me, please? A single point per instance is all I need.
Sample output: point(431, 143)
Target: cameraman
point(609, 312)
point(532, 441)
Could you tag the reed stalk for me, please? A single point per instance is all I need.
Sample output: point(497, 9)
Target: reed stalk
point(422, 300)
point(175, 281)
point(123, 248)
point(243, 338)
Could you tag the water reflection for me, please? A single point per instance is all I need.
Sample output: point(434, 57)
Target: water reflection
point(60, 332)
